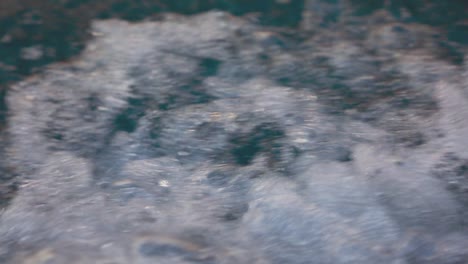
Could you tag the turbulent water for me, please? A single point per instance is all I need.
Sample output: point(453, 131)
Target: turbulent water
point(212, 139)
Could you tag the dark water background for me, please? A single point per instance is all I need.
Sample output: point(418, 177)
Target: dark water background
point(59, 28)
